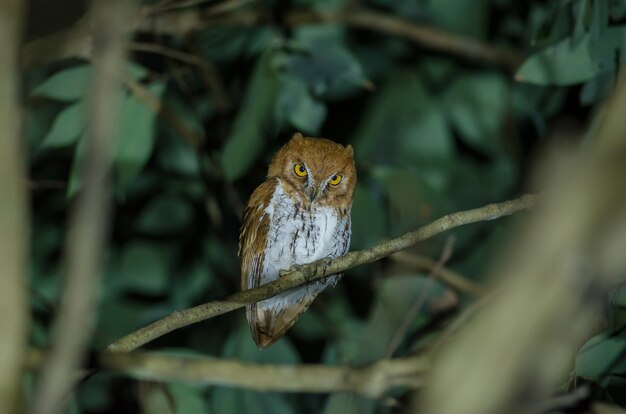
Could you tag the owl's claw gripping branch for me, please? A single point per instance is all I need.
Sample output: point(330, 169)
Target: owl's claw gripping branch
point(300, 276)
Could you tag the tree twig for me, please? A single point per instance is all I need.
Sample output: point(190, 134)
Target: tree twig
point(446, 275)
point(419, 300)
point(14, 213)
point(372, 380)
point(87, 227)
point(424, 35)
point(317, 270)
point(163, 110)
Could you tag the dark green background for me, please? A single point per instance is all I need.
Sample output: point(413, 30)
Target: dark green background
point(433, 133)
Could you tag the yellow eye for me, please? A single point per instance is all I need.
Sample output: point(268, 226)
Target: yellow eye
point(299, 170)
point(335, 179)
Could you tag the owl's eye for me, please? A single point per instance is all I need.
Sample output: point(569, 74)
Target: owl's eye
point(335, 179)
point(299, 170)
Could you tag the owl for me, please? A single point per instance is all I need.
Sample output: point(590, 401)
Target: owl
point(299, 214)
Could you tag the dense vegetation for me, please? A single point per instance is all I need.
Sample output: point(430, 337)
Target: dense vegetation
point(447, 103)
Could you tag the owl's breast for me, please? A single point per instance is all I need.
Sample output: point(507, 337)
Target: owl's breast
point(300, 234)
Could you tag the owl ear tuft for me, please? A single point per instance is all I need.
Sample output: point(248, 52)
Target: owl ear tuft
point(350, 150)
point(297, 136)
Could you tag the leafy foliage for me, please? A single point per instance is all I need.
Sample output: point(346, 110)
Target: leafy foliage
point(433, 133)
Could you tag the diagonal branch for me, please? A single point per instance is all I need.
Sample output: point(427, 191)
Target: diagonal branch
point(317, 270)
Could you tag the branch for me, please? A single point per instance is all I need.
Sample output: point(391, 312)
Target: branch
point(77, 42)
point(14, 213)
point(317, 270)
point(451, 278)
point(372, 380)
point(87, 226)
point(423, 35)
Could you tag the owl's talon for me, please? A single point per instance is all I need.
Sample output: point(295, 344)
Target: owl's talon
point(284, 272)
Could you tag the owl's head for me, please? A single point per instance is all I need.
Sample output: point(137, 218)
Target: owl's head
point(316, 170)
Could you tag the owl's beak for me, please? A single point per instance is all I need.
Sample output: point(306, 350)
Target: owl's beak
point(311, 192)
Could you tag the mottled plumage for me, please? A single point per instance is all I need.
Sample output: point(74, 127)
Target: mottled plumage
point(299, 214)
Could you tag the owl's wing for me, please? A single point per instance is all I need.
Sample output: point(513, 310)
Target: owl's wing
point(252, 243)
point(253, 236)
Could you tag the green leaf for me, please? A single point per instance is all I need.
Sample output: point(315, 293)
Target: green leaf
point(602, 355)
point(477, 106)
point(320, 59)
point(404, 125)
point(565, 63)
point(67, 85)
point(67, 127)
point(368, 218)
point(241, 346)
point(245, 140)
point(135, 136)
point(188, 399)
point(165, 214)
point(294, 102)
point(144, 268)
point(469, 17)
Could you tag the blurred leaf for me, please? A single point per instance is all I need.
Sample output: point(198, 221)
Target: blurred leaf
point(240, 345)
point(296, 104)
point(191, 284)
point(567, 64)
point(395, 297)
point(602, 355)
point(597, 88)
point(403, 126)
point(319, 58)
point(245, 140)
point(368, 218)
point(477, 107)
point(67, 85)
point(469, 17)
point(135, 136)
point(144, 268)
point(177, 156)
point(166, 213)
point(67, 127)
point(409, 198)
point(188, 399)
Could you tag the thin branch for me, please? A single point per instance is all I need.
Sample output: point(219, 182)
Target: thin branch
point(317, 270)
point(14, 213)
point(87, 227)
point(452, 279)
point(219, 8)
point(420, 300)
point(209, 71)
point(163, 110)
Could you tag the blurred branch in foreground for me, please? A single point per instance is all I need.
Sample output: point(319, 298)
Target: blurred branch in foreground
point(78, 42)
point(317, 270)
point(520, 345)
point(88, 221)
point(14, 214)
point(372, 380)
